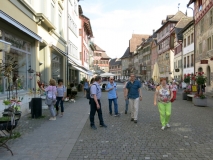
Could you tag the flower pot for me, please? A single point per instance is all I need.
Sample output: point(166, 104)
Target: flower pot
point(184, 96)
point(6, 125)
point(200, 102)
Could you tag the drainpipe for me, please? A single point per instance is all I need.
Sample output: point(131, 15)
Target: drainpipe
point(194, 37)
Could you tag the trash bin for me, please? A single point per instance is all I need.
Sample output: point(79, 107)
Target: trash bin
point(36, 107)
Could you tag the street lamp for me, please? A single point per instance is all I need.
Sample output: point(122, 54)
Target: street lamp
point(5, 46)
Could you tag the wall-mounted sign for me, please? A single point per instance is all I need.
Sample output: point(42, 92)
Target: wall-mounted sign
point(203, 61)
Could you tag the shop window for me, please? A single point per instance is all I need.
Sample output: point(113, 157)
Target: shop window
point(20, 72)
point(56, 66)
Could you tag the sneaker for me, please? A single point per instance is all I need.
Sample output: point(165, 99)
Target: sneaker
point(163, 128)
point(52, 119)
point(117, 115)
point(125, 112)
point(103, 125)
point(135, 121)
point(93, 127)
point(110, 114)
point(168, 126)
point(56, 114)
point(132, 119)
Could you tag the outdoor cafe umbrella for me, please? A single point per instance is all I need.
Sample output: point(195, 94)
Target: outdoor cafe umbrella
point(155, 74)
point(107, 75)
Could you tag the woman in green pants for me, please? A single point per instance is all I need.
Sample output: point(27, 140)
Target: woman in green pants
point(162, 98)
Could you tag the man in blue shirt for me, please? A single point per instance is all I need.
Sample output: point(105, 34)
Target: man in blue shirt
point(95, 103)
point(111, 88)
point(134, 93)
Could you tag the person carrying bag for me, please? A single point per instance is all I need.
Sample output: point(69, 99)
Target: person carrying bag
point(51, 97)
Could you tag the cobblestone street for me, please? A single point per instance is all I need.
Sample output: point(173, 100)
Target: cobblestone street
point(189, 138)
point(190, 135)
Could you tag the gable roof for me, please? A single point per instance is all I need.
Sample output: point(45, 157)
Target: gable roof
point(180, 25)
point(104, 56)
point(136, 40)
point(175, 18)
point(126, 54)
point(87, 25)
point(115, 62)
point(97, 48)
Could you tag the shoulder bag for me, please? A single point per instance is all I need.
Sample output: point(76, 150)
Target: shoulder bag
point(50, 101)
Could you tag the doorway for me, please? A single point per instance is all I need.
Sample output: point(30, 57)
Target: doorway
point(208, 74)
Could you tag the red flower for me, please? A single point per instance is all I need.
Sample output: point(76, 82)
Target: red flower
point(202, 73)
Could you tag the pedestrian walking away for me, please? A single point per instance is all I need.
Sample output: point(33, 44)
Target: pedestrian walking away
point(127, 99)
point(174, 89)
point(61, 95)
point(111, 88)
point(86, 86)
point(51, 94)
point(162, 98)
point(95, 92)
point(134, 93)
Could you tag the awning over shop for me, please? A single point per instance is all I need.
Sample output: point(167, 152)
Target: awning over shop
point(80, 69)
point(20, 26)
point(58, 50)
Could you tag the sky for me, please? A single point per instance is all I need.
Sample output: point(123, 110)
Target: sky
point(114, 21)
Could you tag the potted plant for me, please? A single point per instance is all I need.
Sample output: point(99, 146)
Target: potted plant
point(187, 78)
point(200, 99)
point(185, 92)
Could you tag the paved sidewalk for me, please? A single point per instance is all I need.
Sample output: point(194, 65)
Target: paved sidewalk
point(189, 138)
point(49, 140)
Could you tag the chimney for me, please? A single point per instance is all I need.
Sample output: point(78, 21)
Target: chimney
point(153, 31)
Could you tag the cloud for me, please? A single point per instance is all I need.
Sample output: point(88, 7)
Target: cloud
point(113, 29)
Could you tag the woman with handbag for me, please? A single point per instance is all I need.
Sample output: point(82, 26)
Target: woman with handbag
point(162, 98)
point(51, 97)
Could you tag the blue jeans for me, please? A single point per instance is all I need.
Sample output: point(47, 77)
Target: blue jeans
point(115, 105)
point(127, 104)
point(59, 100)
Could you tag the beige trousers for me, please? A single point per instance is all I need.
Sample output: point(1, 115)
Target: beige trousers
point(134, 105)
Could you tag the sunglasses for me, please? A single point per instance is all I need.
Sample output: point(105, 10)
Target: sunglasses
point(111, 79)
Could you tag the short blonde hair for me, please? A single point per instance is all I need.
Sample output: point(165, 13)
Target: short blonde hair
point(52, 82)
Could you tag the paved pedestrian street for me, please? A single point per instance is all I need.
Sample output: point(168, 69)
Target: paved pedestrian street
point(189, 138)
